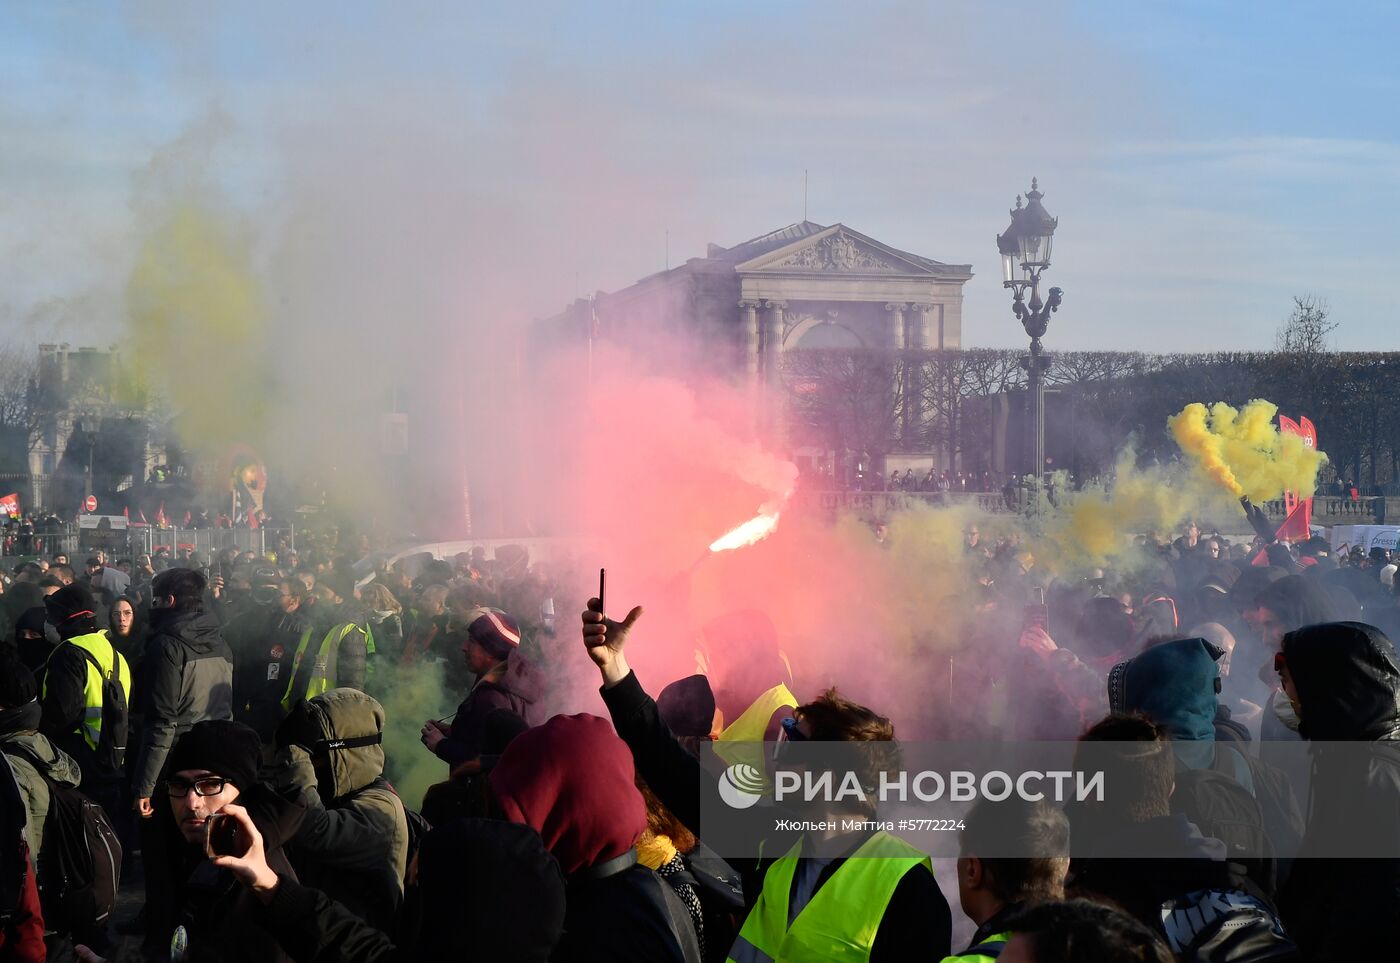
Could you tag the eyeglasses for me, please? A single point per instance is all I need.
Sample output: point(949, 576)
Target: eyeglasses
point(791, 731)
point(203, 786)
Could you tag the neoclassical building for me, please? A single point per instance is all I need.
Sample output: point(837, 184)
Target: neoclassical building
point(803, 286)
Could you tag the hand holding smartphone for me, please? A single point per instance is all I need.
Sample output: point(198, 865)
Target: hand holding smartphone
point(223, 836)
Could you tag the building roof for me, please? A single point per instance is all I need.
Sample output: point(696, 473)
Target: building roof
point(755, 246)
point(775, 240)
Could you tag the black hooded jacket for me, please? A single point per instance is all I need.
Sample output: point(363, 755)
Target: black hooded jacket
point(1169, 858)
point(1336, 905)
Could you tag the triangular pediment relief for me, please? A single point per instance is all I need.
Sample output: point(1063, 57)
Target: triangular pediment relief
point(837, 250)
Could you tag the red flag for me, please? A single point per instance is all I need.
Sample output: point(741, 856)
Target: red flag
point(9, 505)
point(160, 516)
point(126, 513)
point(1297, 526)
point(188, 517)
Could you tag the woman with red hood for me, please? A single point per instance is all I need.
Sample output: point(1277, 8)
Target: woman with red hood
point(572, 781)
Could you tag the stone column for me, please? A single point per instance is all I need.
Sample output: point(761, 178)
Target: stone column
point(751, 338)
point(773, 340)
point(917, 419)
point(770, 385)
point(896, 310)
point(923, 324)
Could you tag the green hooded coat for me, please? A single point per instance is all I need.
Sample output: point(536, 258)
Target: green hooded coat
point(353, 842)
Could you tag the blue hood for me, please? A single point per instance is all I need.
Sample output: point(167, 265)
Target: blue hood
point(1174, 685)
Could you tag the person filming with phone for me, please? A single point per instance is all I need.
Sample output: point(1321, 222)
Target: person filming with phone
point(195, 908)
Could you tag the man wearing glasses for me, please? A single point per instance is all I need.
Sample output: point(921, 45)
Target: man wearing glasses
point(191, 902)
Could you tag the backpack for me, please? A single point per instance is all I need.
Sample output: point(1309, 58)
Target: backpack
point(1227, 729)
point(1225, 926)
point(1283, 820)
point(111, 744)
point(82, 858)
point(418, 827)
point(1223, 806)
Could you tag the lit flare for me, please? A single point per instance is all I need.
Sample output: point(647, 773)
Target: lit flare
point(755, 530)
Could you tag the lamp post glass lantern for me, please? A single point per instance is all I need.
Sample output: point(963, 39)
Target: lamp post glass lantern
point(1025, 254)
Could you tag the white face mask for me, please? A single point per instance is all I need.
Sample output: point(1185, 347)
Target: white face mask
point(1283, 709)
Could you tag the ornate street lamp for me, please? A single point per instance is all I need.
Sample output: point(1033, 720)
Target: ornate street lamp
point(1025, 253)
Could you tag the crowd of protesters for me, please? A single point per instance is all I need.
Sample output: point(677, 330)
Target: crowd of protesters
point(223, 722)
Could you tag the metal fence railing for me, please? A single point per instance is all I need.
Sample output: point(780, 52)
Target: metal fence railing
point(76, 543)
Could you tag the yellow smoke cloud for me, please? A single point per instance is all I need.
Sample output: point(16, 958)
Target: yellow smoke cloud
point(1097, 526)
point(1244, 453)
point(198, 326)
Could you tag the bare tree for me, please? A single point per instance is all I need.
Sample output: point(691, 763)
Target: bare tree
point(951, 380)
point(1305, 330)
point(846, 399)
point(19, 414)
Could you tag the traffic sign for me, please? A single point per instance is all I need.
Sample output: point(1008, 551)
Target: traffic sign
point(91, 503)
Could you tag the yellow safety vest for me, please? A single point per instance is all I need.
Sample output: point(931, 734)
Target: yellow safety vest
point(97, 645)
point(327, 655)
point(988, 951)
point(840, 922)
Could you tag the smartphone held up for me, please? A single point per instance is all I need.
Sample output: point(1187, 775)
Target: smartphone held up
point(225, 836)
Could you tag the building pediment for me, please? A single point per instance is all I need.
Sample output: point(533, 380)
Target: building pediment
point(840, 250)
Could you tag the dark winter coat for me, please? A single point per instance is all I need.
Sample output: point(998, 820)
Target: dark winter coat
point(222, 918)
point(1141, 865)
point(1347, 678)
point(188, 679)
point(263, 642)
point(490, 891)
point(572, 780)
point(353, 840)
point(620, 916)
point(517, 690)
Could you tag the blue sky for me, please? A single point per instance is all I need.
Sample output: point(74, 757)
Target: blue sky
point(488, 161)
